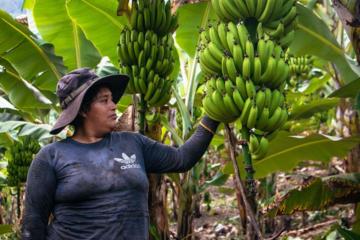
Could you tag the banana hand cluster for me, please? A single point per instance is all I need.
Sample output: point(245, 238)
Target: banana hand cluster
point(258, 146)
point(300, 66)
point(226, 51)
point(21, 154)
point(146, 50)
point(244, 80)
point(153, 15)
point(278, 17)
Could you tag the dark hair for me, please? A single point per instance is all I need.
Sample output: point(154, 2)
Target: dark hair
point(86, 103)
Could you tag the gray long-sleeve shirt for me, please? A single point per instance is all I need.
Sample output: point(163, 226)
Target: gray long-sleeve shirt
point(100, 190)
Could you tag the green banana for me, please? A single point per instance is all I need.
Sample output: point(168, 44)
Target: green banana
point(250, 89)
point(220, 85)
point(230, 8)
point(222, 31)
point(260, 6)
point(238, 99)
point(231, 69)
point(246, 110)
point(260, 101)
point(243, 34)
point(240, 84)
point(215, 51)
point(263, 119)
point(275, 101)
point(269, 72)
point(269, 7)
point(253, 114)
point(229, 87)
point(246, 68)
point(241, 7)
point(231, 106)
point(214, 37)
point(250, 4)
point(257, 70)
point(253, 143)
point(238, 57)
point(262, 149)
point(274, 119)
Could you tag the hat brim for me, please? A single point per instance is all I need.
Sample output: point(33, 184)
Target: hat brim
point(117, 84)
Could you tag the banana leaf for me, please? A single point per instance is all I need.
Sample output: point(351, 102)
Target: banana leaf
point(349, 90)
point(165, 122)
point(287, 151)
point(21, 93)
point(22, 128)
point(313, 37)
point(99, 22)
point(34, 60)
point(6, 104)
point(347, 234)
point(191, 18)
point(55, 26)
point(309, 109)
point(317, 194)
point(316, 84)
point(185, 115)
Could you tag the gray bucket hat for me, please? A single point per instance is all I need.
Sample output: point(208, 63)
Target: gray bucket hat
point(72, 88)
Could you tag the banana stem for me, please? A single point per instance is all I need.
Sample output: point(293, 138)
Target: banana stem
point(249, 208)
point(142, 113)
point(250, 183)
point(18, 199)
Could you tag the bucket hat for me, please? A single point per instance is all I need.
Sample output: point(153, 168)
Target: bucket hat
point(72, 87)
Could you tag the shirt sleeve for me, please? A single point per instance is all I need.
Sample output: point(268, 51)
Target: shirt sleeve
point(161, 158)
point(39, 199)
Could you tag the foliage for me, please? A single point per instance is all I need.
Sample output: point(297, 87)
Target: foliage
point(317, 194)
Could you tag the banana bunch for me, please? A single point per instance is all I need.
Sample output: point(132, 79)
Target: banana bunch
point(300, 66)
point(258, 146)
point(278, 17)
point(257, 109)
point(148, 61)
point(153, 15)
point(226, 50)
point(146, 49)
point(146, 52)
point(20, 156)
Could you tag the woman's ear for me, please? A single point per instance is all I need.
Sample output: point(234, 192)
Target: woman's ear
point(83, 114)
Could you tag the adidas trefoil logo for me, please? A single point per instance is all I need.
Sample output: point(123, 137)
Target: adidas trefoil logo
point(128, 162)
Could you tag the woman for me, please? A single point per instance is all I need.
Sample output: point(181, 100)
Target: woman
point(94, 183)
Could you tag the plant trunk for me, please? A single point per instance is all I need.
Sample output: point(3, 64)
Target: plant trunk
point(185, 213)
point(157, 194)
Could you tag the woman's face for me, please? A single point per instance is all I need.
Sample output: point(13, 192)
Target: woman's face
point(101, 115)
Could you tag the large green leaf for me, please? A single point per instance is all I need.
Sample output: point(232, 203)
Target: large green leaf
point(165, 122)
point(316, 84)
point(34, 61)
point(191, 17)
point(100, 24)
point(348, 235)
point(20, 93)
point(307, 110)
point(349, 90)
point(21, 128)
point(317, 194)
point(55, 26)
point(286, 152)
point(185, 115)
point(6, 104)
point(314, 37)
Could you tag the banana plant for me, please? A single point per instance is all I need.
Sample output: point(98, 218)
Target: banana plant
point(317, 194)
point(287, 151)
